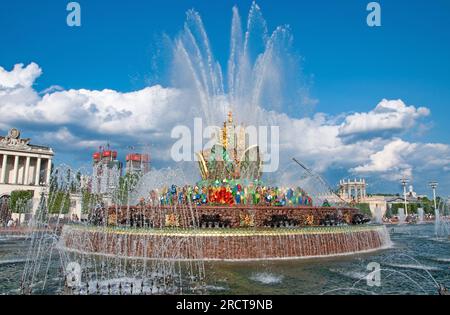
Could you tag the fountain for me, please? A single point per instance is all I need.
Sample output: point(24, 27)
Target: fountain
point(378, 215)
point(228, 215)
point(420, 215)
point(401, 216)
point(441, 223)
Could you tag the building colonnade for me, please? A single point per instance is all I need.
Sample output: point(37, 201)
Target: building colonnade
point(353, 189)
point(19, 168)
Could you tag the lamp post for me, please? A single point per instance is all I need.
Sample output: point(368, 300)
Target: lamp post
point(404, 181)
point(433, 185)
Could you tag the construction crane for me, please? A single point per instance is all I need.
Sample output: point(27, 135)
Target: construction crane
point(318, 177)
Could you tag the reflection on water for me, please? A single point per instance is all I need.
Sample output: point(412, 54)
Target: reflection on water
point(416, 264)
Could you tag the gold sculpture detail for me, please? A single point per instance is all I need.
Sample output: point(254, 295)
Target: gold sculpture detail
point(231, 157)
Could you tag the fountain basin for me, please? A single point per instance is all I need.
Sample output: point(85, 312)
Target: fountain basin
point(224, 244)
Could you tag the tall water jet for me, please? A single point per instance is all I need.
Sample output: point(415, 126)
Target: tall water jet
point(378, 215)
point(441, 225)
point(401, 216)
point(420, 215)
point(263, 75)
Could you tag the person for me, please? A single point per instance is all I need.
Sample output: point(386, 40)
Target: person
point(10, 223)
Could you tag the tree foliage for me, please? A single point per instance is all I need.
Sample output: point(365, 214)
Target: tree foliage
point(127, 185)
point(364, 208)
point(19, 201)
point(89, 201)
point(59, 202)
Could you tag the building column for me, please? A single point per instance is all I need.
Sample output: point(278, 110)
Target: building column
point(16, 169)
point(27, 171)
point(38, 171)
point(4, 165)
point(49, 171)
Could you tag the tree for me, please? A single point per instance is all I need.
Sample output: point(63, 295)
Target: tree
point(19, 201)
point(59, 202)
point(364, 208)
point(127, 185)
point(89, 201)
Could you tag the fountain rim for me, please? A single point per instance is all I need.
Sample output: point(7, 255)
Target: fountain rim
point(200, 234)
point(226, 232)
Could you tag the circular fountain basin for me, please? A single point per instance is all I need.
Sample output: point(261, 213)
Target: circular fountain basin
point(224, 244)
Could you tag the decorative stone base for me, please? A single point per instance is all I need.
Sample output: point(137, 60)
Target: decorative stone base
point(224, 244)
point(185, 216)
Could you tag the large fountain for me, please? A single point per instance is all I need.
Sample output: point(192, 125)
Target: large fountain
point(229, 215)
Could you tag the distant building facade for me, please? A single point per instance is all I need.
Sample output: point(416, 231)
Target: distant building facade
point(411, 198)
point(107, 170)
point(355, 191)
point(23, 166)
point(137, 163)
point(352, 190)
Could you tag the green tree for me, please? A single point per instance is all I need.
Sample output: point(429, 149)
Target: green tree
point(127, 185)
point(89, 201)
point(364, 208)
point(58, 202)
point(20, 201)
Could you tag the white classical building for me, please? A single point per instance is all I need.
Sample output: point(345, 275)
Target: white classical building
point(352, 190)
point(23, 166)
point(356, 191)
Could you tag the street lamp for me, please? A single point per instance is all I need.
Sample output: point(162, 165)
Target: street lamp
point(404, 181)
point(433, 185)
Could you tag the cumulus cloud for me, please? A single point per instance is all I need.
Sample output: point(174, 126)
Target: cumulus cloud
point(366, 144)
point(391, 159)
point(19, 77)
point(388, 118)
point(65, 140)
point(51, 89)
point(104, 111)
point(400, 158)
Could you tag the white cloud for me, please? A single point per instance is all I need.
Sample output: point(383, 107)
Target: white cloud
point(104, 112)
point(401, 158)
point(389, 116)
point(19, 77)
point(390, 160)
point(52, 89)
point(64, 139)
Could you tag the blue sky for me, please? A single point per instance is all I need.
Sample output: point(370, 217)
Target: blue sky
point(349, 66)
